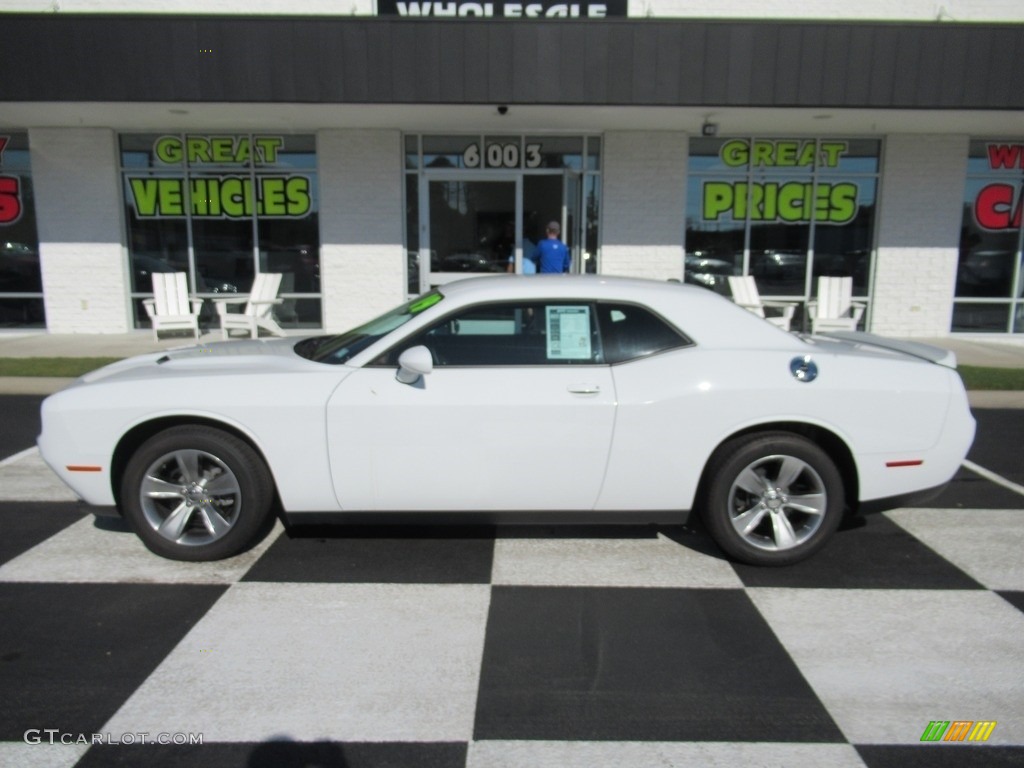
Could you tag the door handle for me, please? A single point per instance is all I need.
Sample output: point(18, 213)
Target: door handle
point(584, 389)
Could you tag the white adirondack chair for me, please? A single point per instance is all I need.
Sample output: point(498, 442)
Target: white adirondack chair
point(170, 309)
point(745, 294)
point(258, 309)
point(834, 309)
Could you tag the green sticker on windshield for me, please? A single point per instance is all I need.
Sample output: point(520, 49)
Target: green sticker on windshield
point(424, 303)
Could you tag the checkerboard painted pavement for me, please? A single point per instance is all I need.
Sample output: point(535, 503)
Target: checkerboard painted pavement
point(483, 647)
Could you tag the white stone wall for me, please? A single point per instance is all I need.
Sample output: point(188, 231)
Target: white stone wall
point(198, 7)
point(78, 214)
point(643, 203)
point(886, 10)
point(883, 10)
point(918, 234)
point(362, 259)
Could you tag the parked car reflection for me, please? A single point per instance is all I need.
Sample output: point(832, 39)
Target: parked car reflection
point(705, 269)
point(985, 273)
point(19, 268)
point(467, 262)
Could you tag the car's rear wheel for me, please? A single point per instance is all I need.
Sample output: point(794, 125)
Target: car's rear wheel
point(772, 499)
point(196, 493)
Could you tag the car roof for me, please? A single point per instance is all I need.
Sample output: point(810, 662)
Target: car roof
point(568, 286)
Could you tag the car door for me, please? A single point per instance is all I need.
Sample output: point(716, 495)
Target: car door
point(517, 414)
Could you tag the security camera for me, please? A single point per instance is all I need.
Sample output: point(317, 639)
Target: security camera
point(502, 110)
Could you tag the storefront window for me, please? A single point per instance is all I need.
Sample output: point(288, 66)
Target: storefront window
point(786, 211)
point(989, 283)
point(223, 208)
point(21, 283)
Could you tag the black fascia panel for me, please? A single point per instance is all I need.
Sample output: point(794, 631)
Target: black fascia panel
point(610, 62)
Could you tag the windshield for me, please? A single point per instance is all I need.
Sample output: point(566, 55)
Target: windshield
point(338, 349)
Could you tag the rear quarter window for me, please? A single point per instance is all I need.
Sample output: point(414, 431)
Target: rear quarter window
point(630, 332)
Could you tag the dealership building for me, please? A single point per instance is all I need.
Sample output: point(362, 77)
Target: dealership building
point(368, 150)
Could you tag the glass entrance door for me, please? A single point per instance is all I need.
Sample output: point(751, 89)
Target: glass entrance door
point(469, 228)
point(472, 226)
point(554, 197)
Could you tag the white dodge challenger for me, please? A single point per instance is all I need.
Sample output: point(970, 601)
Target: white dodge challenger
point(517, 398)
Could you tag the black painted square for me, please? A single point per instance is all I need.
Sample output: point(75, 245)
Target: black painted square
point(71, 654)
point(871, 552)
point(969, 490)
point(940, 755)
point(27, 523)
point(280, 754)
point(1016, 599)
point(379, 554)
point(640, 665)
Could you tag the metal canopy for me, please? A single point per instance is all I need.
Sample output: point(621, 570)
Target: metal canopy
point(613, 62)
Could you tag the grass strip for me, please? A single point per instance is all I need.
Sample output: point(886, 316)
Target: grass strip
point(978, 378)
point(62, 367)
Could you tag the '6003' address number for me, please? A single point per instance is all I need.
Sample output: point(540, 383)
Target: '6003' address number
point(502, 156)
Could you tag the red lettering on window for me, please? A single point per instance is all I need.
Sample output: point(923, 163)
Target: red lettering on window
point(1005, 156)
point(999, 207)
point(10, 199)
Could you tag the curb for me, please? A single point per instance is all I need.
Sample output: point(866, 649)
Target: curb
point(32, 385)
point(995, 399)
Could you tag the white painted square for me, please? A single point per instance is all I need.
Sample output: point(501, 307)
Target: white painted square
point(984, 543)
point(82, 552)
point(625, 562)
point(304, 662)
point(26, 477)
point(44, 754)
point(887, 662)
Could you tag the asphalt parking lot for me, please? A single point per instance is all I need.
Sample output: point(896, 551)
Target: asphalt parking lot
point(514, 647)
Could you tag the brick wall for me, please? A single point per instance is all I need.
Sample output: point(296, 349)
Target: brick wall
point(643, 203)
point(883, 10)
point(918, 234)
point(362, 259)
point(78, 213)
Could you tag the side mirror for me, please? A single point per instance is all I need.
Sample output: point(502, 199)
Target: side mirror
point(414, 363)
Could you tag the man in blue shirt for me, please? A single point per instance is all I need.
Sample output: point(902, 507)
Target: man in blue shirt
point(551, 254)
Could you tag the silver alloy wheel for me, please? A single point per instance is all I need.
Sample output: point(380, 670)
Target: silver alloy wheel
point(777, 502)
point(190, 497)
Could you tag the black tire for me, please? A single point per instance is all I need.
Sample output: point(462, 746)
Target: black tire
point(197, 493)
point(760, 491)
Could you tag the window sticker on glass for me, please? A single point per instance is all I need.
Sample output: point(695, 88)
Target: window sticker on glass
point(568, 333)
point(425, 303)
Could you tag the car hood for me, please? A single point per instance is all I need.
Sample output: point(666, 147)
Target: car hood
point(858, 341)
point(219, 358)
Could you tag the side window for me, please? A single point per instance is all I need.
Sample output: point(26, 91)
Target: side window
point(629, 332)
point(536, 333)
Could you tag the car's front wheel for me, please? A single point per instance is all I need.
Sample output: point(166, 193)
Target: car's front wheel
point(196, 493)
point(772, 499)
